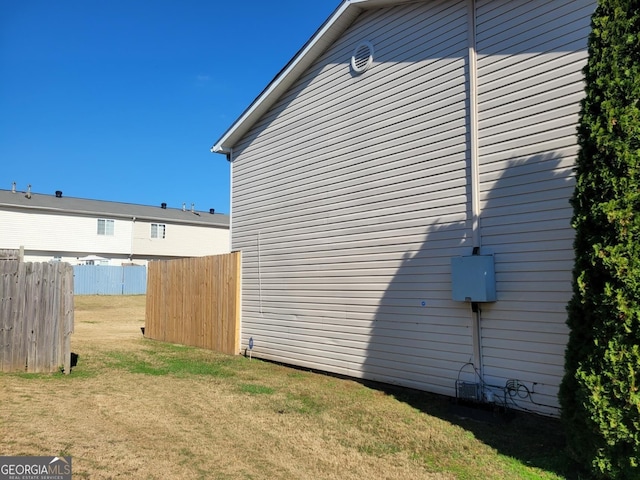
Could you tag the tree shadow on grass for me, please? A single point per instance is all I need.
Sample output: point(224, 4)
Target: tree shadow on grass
point(532, 439)
point(429, 346)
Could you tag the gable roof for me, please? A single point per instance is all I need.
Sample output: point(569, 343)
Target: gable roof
point(39, 203)
point(328, 32)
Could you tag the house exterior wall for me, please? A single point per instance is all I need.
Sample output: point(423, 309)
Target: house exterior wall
point(60, 234)
point(353, 193)
point(179, 240)
point(530, 57)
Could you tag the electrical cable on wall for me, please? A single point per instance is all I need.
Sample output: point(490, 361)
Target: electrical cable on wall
point(512, 390)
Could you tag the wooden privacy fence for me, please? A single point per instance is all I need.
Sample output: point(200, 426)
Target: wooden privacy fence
point(36, 316)
point(195, 301)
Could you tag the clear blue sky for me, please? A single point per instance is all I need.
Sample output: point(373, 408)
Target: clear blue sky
point(121, 100)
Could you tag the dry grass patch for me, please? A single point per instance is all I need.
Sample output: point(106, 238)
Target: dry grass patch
point(139, 409)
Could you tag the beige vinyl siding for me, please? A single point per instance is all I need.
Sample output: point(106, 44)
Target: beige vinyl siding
point(530, 56)
point(352, 194)
point(179, 240)
point(50, 232)
point(349, 199)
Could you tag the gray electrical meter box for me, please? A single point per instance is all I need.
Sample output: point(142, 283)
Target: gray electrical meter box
point(473, 278)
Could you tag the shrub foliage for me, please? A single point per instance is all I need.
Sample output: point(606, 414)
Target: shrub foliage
point(599, 393)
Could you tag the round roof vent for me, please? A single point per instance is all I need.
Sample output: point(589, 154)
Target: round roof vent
point(362, 57)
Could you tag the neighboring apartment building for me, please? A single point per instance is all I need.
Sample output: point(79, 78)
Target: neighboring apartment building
point(82, 231)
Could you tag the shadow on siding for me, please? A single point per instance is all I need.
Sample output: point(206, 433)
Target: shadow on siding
point(426, 348)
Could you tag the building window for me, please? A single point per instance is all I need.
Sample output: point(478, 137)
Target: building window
point(157, 230)
point(105, 227)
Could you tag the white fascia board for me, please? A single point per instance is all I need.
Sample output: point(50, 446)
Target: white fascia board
point(380, 3)
point(328, 33)
point(332, 28)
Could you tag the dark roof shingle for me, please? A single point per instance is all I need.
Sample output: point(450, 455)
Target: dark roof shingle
point(101, 208)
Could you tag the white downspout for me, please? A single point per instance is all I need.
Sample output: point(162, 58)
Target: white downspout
point(473, 128)
point(475, 175)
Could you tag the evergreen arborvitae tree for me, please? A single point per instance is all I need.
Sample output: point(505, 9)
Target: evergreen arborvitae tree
point(600, 395)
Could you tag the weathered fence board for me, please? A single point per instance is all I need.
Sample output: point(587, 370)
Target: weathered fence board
point(110, 280)
point(195, 301)
point(36, 316)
